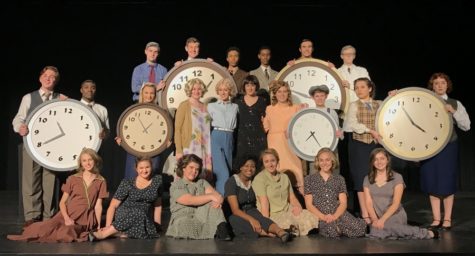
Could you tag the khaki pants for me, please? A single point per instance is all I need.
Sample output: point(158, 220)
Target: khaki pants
point(37, 189)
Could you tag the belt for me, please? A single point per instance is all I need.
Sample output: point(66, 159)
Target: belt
point(222, 129)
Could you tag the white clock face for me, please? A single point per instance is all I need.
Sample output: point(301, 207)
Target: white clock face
point(309, 131)
point(59, 130)
point(145, 129)
point(414, 124)
point(307, 73)
point(209, 72)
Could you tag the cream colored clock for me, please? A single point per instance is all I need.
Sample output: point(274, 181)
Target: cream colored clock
point(145, 129)
point(306, 73)
point(414, 124)
point(58, 131)
point(310, 130)
point(209, 72)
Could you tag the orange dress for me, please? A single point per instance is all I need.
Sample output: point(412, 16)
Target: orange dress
point(80, 207)
point(276, 122)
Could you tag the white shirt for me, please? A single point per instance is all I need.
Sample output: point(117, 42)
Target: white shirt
point(25, 104)
point(461, 116)
point(351, 123)
point(101, 112)
point(350, 74)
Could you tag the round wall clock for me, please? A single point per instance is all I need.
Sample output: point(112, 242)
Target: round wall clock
point(209, 72)
point(306, 73)
point(414, 124)
point(145, 129)
point(310, 130)
point(58, 131)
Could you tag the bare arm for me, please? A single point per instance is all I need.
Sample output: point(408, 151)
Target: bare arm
point(98, 212)
point(157, 212)
point(111, 211)
point(265, 207)
point(311, 208)
point(369, 205)
point(342, 207)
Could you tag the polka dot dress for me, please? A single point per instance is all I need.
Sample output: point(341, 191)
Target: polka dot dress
point(134, 215)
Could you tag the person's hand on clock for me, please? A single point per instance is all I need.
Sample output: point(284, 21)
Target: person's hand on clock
point(160, 85)
point(339, 133)
point(450, 108)
point(291, 62)
point(23, 130)
point(330, 65)
point(376, 135)
point(118, 140)
point(178, 156)
point(63, 97)
point(346, 84)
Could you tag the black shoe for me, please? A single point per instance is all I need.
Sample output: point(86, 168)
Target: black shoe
point(222, 232)
point(313, 232)
point(432, 227)
point(284, 238)
point(367, 229)
point(442, 227)
point(436, 233)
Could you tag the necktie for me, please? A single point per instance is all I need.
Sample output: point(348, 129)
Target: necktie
point(151, 76)
point(46, 96)
point(349, 70)
point(368, 106)
point(266, 73)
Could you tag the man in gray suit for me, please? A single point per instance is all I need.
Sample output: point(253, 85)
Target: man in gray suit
point(264, 73)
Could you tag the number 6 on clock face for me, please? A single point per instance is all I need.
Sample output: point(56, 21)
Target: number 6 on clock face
point(209, 72)
point(414, 124)
point(58, 131)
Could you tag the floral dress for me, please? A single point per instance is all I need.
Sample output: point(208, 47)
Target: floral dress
point(200, 144)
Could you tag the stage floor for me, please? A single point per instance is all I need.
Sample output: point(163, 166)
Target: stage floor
point(459, 240)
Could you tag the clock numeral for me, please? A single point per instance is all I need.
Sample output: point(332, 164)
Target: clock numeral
point(164, 132)
point(291, 83)
point(197, 73)
point(152, 146)
point(90, 137)
point(184, 78)
point(400, 143)
point(52, 112)
point(36, 132)
point(148, 112)
point(87, 126)
point(391, 135)
point(332, 87)
point(38, 144)
point(436, 138)
point(311, 72)
point(162, 123)
point(74, 157)
point(43, 119)
point(388, 123)
point(436, 114)
point(171, 100)
point(298, 76)
point(336, 99)
point(143, 147)
point(137, 114)
point(392, 111)
point(127, 136)
point(212, 76)
point(176, 87)
point(47, 153)
point(413, 149)
point(133, 143)
point(441, 125)
point(416, 100)
point(160, 140)
point(430, 105)
point(126, 127)
point(68, 111)
point(400, 103)
point(427, 146)
point(60, 158)
point(131, 119)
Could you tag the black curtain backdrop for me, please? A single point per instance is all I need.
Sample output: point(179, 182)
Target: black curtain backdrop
point(401, 43)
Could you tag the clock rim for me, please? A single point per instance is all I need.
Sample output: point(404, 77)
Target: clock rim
point(323, 65)
point(26, 144)
point(155, 107)
point(389, 147)
point(290, 128)
point(189, 64)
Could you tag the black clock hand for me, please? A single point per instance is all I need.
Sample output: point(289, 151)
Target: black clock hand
point(146, 128)
point(301, 94)
point(313, 135)
point(412, 121)
point(208, 85)
point(143, 126)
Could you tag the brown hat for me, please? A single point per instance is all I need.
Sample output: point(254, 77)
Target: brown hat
point(318, 88)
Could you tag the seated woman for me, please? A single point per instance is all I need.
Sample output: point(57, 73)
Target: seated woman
point(246, 220)
point(130, 210)
point(326, 198)
point(80, 206)
point(195, 206)
point(276, 198)
point(383, 189)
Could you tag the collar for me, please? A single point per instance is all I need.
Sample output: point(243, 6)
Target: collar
point(264, 68)
point(92, 103)
point(240, 184)
point(445, 96)
point(79, 175)
point(270, 176)
point(42, 92)
point(223, 102)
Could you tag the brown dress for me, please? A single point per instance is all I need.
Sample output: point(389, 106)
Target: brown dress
point(80, 207)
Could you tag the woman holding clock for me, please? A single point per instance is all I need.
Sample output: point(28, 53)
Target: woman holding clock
point(439, 173)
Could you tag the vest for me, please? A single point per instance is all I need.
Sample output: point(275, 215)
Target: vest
point(368, 118)
point(454, 104)
point(36, 100)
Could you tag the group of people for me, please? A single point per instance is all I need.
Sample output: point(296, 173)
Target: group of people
point(244, 131)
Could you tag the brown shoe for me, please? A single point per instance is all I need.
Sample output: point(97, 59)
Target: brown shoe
point(29, 222)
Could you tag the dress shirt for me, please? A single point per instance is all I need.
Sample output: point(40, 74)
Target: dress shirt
point(223, 114)
point(101, 112)
point(460, 115)
point(25, 104)
point(141, 74)
point(351, 123)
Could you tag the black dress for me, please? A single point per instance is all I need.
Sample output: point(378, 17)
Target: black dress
point(251, 137)
point(133, 216)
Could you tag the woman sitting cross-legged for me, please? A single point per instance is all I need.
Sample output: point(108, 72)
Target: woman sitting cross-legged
point(195, 205)
point(326, 198)
point(276, 198)
point(246, 220)
point(129, 213)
